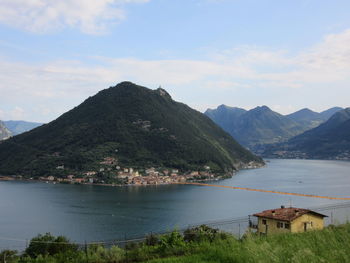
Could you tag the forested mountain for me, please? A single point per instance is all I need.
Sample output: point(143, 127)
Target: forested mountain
point(225, 115)
point(310, 119)
point(330, 140)
point(261, 125)
point(330, 112)
point(137, 126)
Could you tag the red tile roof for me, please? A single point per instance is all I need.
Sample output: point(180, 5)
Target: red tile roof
point(286, 214)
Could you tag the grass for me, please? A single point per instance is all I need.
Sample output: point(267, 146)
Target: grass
point(201, 244)
point(329, 245)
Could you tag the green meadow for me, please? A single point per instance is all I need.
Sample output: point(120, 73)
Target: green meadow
point(200, 244)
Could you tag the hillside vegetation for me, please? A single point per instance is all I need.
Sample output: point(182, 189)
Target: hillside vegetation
point(200, 244)
point(138, 126)
point(328, 141)
point(260, 126)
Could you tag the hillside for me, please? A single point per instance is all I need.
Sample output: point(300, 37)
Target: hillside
point(260, 125)
point(328, 245)
point(199, 244)
point(137, 126)
point(306, 117)
point(310, 119)
point(4, 132)
point(330, 140)
point(18, 127)
point(330, 112)
point(224, 116)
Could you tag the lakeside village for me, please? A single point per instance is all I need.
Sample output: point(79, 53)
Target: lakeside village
point(341, 156)
point(110, 173)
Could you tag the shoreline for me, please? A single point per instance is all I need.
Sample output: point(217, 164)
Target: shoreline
point(192, 180)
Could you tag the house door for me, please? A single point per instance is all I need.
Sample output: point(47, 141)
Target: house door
point(305, 227)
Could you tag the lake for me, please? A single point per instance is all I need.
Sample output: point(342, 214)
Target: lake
point(96, 213)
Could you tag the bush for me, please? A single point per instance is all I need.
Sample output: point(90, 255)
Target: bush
point(105, 255)
point(8, 256)
point(152, 240)
point(172, 243)
point(49, 245)
point(202, 233)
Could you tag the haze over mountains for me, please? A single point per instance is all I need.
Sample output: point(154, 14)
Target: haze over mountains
point(311, 119)
point(261, 125)
point(12, 128)
point(137, 126)
point(302, 134)
point(18, 127)
point(330, 140)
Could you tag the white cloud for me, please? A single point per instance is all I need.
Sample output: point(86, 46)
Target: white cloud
point(318, 77)
point(17, 113)
point(40, 16)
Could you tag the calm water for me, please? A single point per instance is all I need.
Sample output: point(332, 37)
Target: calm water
point(92, 213)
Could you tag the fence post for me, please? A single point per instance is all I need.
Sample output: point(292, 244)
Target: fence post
point(126, 249)
point(332, 222)
point(86, 252)
point(239, 231)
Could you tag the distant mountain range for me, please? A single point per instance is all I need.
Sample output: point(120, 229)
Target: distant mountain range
point(18, 127)
point(4, 131)
point(12, 128)
point(261, 125)
point(135, 125)
point(311, 119)
point(330, 140)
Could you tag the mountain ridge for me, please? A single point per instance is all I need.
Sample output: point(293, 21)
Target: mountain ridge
point(20, 126)
point(330, 140)
point(136, 125)
point(260, 125)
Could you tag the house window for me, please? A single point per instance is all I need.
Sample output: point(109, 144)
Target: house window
point(279, 225)
point(264, 221)
point(287, 226)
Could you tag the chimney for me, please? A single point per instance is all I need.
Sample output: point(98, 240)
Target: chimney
point(273, 212)
point(296, 211)
point(282, 206)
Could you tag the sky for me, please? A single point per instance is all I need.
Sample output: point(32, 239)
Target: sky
point(287, 54)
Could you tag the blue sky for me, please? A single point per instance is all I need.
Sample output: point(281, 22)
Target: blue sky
point(284, 54)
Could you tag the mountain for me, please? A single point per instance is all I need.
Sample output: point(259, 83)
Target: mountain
point(330, 112)
point(261, 125)
point(330, 140)
point(4, 132)
point(224, 115)
point(307, 118)
point(311, 119)
point(18, 127)
point(258, 126)
point(137, 126)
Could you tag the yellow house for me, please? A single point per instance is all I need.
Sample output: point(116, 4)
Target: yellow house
point(291, 219)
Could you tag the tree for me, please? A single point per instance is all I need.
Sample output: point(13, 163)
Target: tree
point(49, 245)
point(8, 256)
